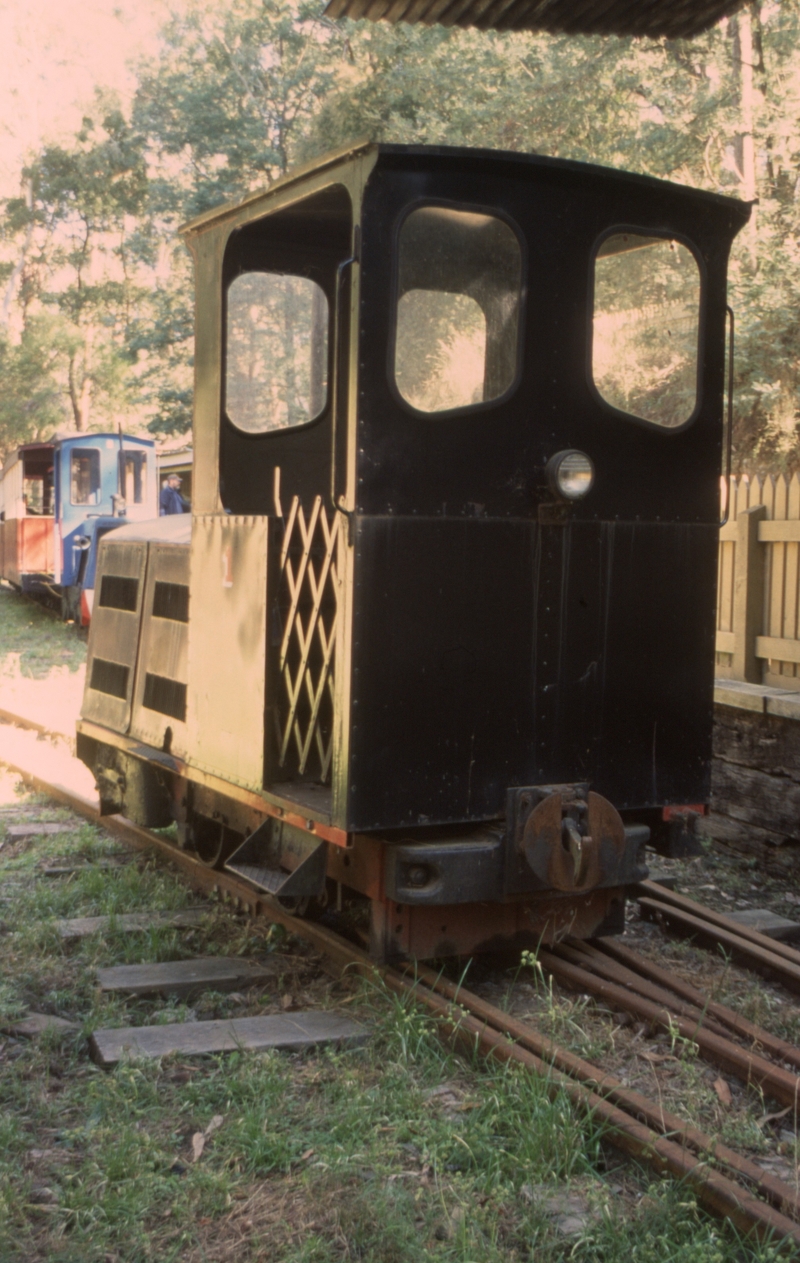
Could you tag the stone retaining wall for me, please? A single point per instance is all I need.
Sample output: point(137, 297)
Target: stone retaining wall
point(755, 783)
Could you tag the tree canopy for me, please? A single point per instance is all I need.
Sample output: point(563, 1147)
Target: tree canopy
point(96, 290)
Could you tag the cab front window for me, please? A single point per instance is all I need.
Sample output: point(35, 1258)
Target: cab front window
point(458, 309)
point(133, 476)
point(646, 327)
point(84, 475)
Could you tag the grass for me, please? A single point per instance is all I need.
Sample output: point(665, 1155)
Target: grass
point(33, 639)
point(394, 1153)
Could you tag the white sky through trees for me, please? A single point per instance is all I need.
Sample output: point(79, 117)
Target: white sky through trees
point(53, 53)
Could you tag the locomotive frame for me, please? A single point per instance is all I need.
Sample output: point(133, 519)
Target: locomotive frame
point(417, 667)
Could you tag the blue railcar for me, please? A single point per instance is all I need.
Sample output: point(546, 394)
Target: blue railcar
point(58, 499)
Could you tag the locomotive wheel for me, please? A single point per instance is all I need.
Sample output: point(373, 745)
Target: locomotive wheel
point(310, 908)
point(211, 841)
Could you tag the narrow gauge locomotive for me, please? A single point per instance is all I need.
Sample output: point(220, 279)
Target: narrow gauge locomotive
point(440, 633)
point(58, 499)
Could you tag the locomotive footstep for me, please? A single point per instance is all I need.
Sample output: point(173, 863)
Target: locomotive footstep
point(292, 1033)
point(187, 977)
point(130, 922)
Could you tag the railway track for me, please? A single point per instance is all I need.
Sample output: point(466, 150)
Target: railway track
point(724, 1181)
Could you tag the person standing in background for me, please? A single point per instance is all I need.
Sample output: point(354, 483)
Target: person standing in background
point(170, 499)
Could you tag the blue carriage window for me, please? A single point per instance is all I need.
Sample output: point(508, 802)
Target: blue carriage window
point(458, 309)
point(84, 479)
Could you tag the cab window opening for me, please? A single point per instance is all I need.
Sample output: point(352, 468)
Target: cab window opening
point(458, 309)
point(84, 475)
point(304, 240)
point(276, 374)
point(646, 327)
point(37, 488)
point(133, 476)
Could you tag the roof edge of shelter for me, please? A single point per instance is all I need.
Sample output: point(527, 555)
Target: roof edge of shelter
point(643, 19)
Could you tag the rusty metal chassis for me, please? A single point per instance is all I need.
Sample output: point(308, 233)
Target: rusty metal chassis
point(367, 865)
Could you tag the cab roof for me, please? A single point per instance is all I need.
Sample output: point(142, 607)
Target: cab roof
point(450, 154)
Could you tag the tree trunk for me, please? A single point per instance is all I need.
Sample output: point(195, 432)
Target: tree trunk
point(80, 384)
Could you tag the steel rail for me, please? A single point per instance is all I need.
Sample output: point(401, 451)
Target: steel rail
point(722, 1018)
point(602, 965)
point(683, 903)
point(696, 924)
point(493, 1035)
point(746, 1065)
point(783, 1195)
point(713, 1190)
point(727, 1018)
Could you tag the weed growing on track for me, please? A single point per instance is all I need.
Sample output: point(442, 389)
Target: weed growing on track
point(396, 1152)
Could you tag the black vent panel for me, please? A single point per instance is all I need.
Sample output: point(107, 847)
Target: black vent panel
point(171, 600)
point(119, 593)
point(109, 677)
point(168, 697)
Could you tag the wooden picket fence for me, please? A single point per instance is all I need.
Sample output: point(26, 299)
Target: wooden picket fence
point(758, 591)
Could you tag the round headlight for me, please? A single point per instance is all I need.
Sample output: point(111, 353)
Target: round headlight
point(571, 474)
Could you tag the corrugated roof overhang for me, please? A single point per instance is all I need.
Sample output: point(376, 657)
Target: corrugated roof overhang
point(654, 19)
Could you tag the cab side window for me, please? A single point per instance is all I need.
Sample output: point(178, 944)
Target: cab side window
point(84, 466)
point(458, 309)
point(133, 476)
point(645, 328)
point(276, 374)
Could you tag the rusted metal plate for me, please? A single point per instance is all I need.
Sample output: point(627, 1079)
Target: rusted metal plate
point(290, 1032)
point(428, 932)
point(187, 977)
point(560, 855)
point(227, 647)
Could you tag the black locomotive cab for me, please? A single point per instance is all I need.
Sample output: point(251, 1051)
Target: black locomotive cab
point(444, 630)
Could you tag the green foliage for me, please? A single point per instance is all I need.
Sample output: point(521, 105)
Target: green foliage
point(228, 95)
point(31, 401)
point(239, 94)
point(33, 641)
